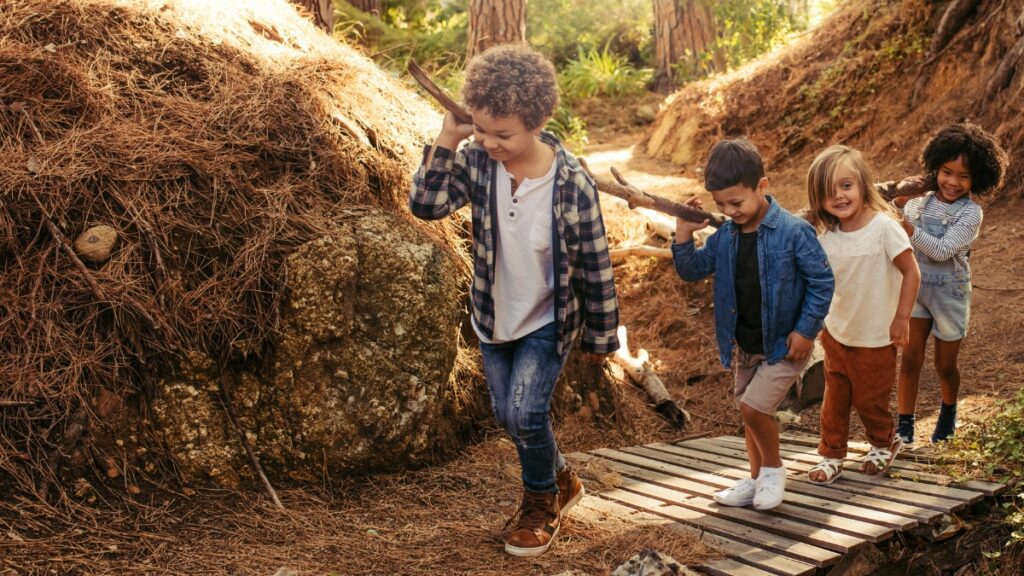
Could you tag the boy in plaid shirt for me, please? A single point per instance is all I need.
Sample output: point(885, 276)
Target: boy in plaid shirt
point(541, 271)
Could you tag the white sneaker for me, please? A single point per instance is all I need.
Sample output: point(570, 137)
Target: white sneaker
point(739, 494)
point(771, 486)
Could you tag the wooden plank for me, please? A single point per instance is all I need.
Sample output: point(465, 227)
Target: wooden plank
point(858, 516)
point(888, 488)
point(874, 509)
point(802, 551)
point(780, 520)
point(918, 481)
point(760, 562)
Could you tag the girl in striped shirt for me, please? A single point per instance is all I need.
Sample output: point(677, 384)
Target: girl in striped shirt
point(966, 161)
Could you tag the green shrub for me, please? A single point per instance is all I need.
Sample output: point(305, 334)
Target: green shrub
point(995, 449)
point(570, 129)
point(559, 28)
point(749, 28)
point(595, 73)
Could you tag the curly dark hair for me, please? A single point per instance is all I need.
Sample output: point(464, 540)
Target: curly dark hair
point(512, 79)
point(984, 157)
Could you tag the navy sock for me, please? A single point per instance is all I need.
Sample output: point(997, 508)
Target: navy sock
point(905, 427)
point(946, 424)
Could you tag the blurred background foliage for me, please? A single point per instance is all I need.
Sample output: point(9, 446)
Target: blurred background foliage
point(601, 48)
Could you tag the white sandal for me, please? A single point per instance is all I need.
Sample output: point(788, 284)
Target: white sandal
point(882, 458)
point(831, 467)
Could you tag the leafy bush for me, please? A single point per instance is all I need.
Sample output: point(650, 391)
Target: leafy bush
point(595, 73)
point(749, 28)
point(994, 449)
point(570, 129)
point(559, 28)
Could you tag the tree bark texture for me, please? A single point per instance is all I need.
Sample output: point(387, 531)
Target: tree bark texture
point(494, 22)
point(322, 12)
point(683, 29)
point(368, 6)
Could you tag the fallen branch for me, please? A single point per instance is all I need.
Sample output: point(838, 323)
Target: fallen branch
point(637, 198)
point(457, 110)
point(639, 370)
point(909, 186)
point(619, 255)
point(254, 462)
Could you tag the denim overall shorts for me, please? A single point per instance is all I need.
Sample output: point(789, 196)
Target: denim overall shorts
point(945, 294)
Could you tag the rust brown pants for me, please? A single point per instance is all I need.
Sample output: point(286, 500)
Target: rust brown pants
point(862, 378)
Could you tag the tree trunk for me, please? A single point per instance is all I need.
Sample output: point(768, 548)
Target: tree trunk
point(322, 12)
point(368, 6)
point(493, 22)
point(684, 30)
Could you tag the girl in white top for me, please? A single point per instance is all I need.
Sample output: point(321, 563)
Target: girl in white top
point(876, 283)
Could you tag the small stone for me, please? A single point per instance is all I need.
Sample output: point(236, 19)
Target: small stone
point(95, 244)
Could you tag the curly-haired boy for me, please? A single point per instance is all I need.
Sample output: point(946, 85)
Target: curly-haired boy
point(541, 271)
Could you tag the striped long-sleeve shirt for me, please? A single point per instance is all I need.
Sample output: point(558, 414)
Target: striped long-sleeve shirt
point(962, 229)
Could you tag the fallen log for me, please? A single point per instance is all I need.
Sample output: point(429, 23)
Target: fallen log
point(619, 255)
point(638, 369)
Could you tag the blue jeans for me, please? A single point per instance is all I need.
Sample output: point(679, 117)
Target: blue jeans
point(521, 376)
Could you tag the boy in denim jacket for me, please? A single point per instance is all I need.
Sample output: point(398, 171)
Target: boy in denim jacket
point(773, 287)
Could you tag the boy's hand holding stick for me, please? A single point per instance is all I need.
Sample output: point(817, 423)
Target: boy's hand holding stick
point(620, 188)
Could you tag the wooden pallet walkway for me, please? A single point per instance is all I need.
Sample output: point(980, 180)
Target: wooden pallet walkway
point(815, 526)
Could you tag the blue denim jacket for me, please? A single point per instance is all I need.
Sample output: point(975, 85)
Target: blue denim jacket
point(796, 279)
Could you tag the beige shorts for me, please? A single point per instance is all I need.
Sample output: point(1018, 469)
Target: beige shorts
point(763, 386)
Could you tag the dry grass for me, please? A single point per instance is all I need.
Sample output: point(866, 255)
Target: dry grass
point(442, 520)
point(214, 138)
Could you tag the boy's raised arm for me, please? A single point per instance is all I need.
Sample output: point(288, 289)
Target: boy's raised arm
point(441, 184)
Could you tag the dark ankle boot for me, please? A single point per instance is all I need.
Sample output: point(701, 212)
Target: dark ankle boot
point(946, 424)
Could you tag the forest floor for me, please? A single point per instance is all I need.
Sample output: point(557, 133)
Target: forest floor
point(448, 519)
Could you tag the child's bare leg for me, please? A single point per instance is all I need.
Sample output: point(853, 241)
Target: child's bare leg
point(946, 366)
point(910, 365)
point(753, 452)
point(761, 428)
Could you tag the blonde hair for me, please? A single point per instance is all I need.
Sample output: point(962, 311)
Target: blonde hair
point(821, 185)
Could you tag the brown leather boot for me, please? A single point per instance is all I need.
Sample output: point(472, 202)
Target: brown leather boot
point(570, 489)
point(538, 525)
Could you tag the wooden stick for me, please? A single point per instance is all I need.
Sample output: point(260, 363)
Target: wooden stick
point(619, 255)
point(457, 110)
point(254, 462)
point(639, 370)
point(636, 197)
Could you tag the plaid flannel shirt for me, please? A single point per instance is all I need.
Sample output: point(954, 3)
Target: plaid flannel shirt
point(585, 292)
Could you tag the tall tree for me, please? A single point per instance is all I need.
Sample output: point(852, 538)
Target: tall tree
point(684, 30)
point(368, 6)
point(322, 12)
point(493, 22)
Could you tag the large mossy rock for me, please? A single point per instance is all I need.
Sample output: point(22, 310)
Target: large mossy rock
point(363, 374)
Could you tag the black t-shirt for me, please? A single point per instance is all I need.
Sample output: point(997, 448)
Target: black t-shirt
point(749, 335)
